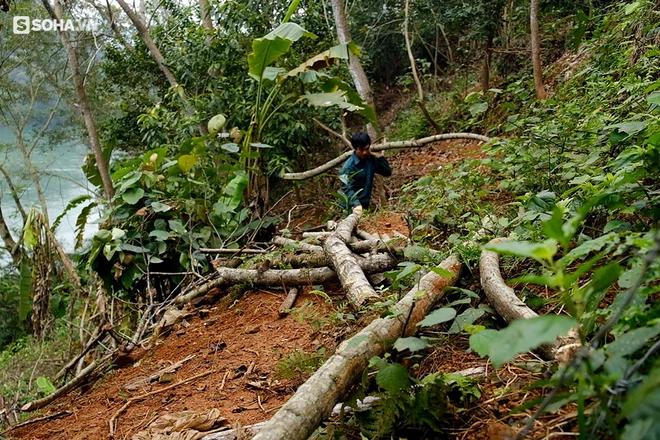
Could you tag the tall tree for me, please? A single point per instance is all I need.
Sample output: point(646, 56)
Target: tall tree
point(55, 12)
point(536, 49)
point(354, 65)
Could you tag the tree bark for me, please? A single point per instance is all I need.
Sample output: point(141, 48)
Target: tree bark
point(153, 49)
point(352, 278)
point(315, 399)
point(205, 13)
point(10, 244)
point(385, 146)
point(83, 101)
point(413, 67)
point(507, 304)
point(289, 301)
point(536, 50)
point(354, 66)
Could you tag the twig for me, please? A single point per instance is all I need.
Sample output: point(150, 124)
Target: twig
point(90, 344)
point(259, 403)
point(113, 420)
point(224, 378)
point(38, 419)
point(342, 137)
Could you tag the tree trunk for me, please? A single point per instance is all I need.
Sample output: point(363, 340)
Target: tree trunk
point(354, 66)
point(485, 67)
point(10, 244)
point(83, 101)
point(413, 67)
point(205, 13)
point(507, 304)
point(315, 399)
point(385, 146)
point(153, 49)
point(352, 278)
point(536, 50)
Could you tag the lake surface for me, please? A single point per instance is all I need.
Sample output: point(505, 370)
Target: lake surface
point(61, 177)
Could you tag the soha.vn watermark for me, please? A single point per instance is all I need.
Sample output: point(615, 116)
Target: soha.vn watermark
point(25, 25)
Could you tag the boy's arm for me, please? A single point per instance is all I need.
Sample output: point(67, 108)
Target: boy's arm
point(382, 166)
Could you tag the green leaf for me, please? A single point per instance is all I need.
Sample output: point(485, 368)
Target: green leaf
point(160, 207)
point(216, 123)
point(393, 378)
point(408, 269)
point(553, 228)
point(72, 204)
point(412, 343)
point(45, 385)
point(538, 251)
point(186, 162)
point(160, 235)
point(337, 99)
point(653, 98)
point(132, 248)
point(478, 108)
point(260, 145)
point(133, 195)
point(231, 147)
point(523, 335)
point(542, 202)
point(480, 342)
point(438, 316)
point(292, 8)
point(267, 49)
point(177, 226)
point(234, 191)
point(630, 128)
point(630, 342)
point(466, 318)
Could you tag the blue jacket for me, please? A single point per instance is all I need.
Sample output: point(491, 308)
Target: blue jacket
point(358, 174)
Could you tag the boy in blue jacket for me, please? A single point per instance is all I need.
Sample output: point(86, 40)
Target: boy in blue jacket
point(357, 173)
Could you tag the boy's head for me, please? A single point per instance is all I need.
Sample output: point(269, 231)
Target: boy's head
point(361, 143)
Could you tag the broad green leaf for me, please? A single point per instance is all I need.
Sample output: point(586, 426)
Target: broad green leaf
point(234, 191)
point(133, 195)
point(216, 123)
point(45, 385)
point(631, 7)
point(412, 343)
point(642, 429)
point(331, 99)
point(231, 147)
point(540, 280)
point(480, 342)
point(630, 342)
point(72, 204)
point(160, 207)
point(542, 202)
point(393, 378)
point(408, 269)
point(523, 335)
point(267, 49)
point(538, 251)
point(478, 108)
point(646, 389)
point(553, 228)
point(438, 316)
point(466, 318)
point(415, 253)
point(132, 248)
point(186, 162)
point(325, 59)
point(590, 246)
point(292, 8)
point(177, 226)
point(160, 235)
point(260, 145)
point(653, 98)
point(630, 127)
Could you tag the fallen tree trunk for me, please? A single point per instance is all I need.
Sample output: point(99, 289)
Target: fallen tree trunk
point(359, 247)
point(289, 301)
point(40, 403)
point(292, 277)
point(315, 399)
point(352, 278)
point(298, 245)
point(380, 147)
point(507, 304)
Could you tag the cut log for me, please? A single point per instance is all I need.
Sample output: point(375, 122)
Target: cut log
point(315, 399)
point(380, 147)
point(293, 277)
point(298, 245)
point(289, 301)
point(352, 278)
point(507, 304)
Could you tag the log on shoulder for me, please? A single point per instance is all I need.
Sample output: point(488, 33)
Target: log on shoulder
point(315, 399)
point(352, 278)
point(507, 304)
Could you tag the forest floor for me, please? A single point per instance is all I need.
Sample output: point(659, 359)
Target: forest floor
point(255, 359)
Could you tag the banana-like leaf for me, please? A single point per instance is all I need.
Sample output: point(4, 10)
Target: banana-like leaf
point(234, 191)
point(72, 204)
point(337, 98)
point(326, 59)
point(267, 49)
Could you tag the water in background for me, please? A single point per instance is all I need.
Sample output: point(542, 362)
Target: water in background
point(62, 179)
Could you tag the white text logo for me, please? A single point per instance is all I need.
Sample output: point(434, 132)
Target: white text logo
point(24, 25)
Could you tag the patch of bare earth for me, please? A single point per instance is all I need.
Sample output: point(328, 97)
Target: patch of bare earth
point(240, 346)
